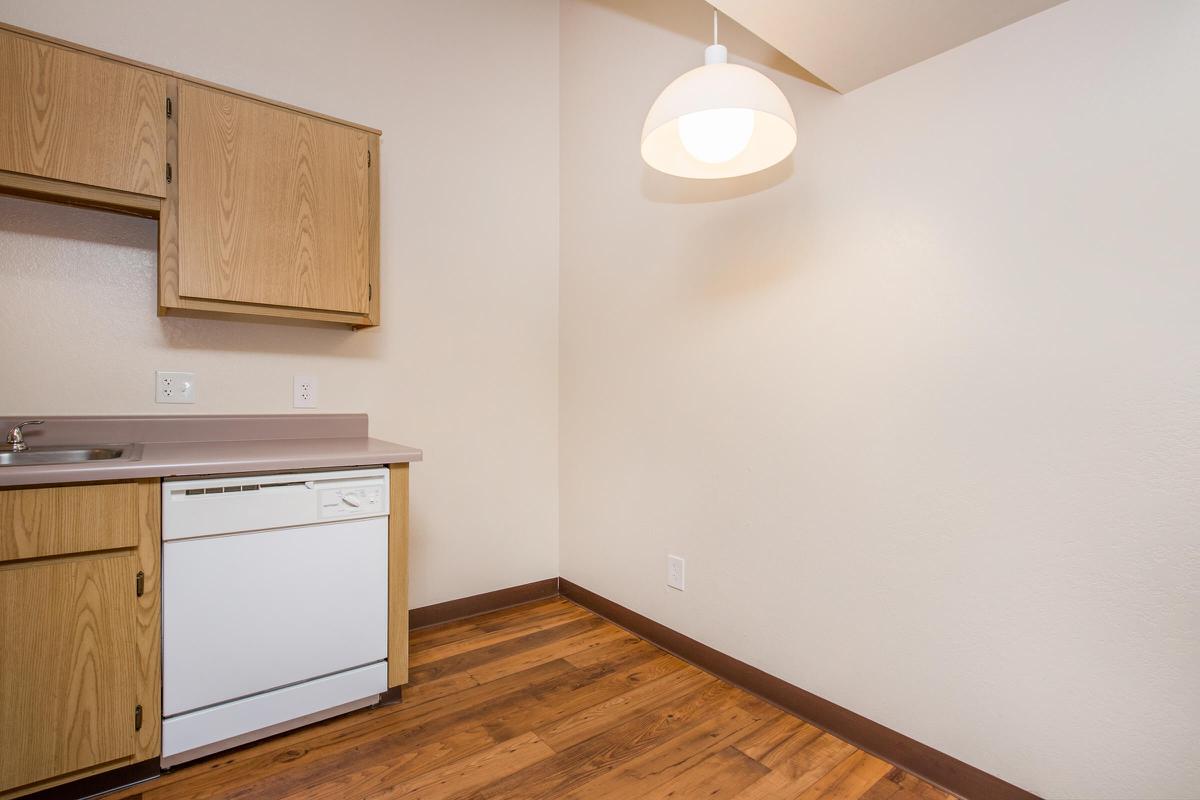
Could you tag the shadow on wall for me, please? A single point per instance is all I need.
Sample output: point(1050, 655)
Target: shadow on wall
point(693, 19)
point(104, 263)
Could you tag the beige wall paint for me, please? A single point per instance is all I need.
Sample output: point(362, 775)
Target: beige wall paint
point(465, 364)
point(921, 410)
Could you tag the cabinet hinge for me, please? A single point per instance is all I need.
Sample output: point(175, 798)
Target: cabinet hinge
point(137, 718)
point(168, 172)
point(141, 583)
point(168, 108)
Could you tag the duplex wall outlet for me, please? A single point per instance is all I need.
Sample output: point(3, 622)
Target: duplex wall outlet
point(675, 572)
point(304, 391)
point(174, 387)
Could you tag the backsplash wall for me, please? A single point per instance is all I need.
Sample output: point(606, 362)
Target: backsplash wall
point(465, 363)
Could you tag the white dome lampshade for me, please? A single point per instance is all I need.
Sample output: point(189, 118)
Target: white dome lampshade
point(720, 120)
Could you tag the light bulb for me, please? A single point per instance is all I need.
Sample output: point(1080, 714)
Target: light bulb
point(716, 135)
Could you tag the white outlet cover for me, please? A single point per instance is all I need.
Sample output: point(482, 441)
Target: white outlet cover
point(304, 391)
point(675, 572)
point(174, 387)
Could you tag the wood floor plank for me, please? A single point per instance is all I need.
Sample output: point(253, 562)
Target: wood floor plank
point(758, 744)
point(466, 774)
point(807, 758)
point(574, 696)
point(558, 776)
point(482, 639)
point(597, 719)
point(529, 657)
point(369, 775)
point(849, 780)
point(547, 700)
point(666, 761)
point(475, 659)
point(900, 785)
point(721, 775)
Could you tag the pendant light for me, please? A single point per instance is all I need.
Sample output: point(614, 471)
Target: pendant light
point(718, 121)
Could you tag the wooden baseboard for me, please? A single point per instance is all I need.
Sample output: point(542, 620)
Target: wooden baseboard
point(481, 603)
point(921, 760)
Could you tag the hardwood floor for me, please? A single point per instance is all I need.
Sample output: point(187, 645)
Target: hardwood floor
point(547, 700)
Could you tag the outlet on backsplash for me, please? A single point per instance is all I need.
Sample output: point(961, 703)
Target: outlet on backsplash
point(174, 387)
point(304, 391)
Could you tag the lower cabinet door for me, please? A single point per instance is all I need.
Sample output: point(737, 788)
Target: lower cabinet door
point(66, 666)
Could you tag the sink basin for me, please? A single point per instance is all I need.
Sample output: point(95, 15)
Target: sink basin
point(61, 455)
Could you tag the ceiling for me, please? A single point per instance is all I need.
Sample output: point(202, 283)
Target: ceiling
point(849, 43)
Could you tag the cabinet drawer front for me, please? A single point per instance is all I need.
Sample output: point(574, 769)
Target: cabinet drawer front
point(274, 205)
point(73, 116)
point(58, 520)
point(66, 686)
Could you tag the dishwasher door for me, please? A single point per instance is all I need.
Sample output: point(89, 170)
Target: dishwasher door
point(244, 613)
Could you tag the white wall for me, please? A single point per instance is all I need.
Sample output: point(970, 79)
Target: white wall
point(923, 411)
point(465, 363)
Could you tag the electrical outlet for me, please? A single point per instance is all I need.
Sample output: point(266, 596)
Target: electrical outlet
point(174, 387)
point(304, 391)
point(675, 572)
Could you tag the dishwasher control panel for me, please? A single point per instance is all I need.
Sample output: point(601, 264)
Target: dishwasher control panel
point(350, 501)
point(235, 504)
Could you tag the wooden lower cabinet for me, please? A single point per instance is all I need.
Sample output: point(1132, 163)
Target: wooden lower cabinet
point(68, 625)
point(80, 651)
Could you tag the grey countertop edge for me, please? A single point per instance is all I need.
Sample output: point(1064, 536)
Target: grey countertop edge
point(191, 459)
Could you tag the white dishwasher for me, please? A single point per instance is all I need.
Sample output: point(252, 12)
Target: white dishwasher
point(274, 604)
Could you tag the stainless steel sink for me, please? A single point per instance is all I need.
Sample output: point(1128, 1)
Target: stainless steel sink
point(61, 455)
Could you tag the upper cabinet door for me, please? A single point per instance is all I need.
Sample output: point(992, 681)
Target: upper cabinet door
point(274, 205)
point(73, 116)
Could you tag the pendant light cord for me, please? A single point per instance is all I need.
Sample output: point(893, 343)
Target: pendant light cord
point(714, 26)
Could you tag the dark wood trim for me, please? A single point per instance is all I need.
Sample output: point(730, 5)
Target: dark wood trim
point(923, 761)
point(391, 697)
point(481, 603)
point(100, 783)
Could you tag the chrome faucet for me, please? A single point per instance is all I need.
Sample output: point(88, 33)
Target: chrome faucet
point(15, 441)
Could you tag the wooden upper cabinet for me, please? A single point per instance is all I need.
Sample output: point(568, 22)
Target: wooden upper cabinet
point(274, 206)
point(263, 209)
point(72, 116)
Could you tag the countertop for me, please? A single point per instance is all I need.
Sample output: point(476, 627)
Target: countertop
point(166, 459)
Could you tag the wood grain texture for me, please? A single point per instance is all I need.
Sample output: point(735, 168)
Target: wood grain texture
point(58, 520)
point(147, 651)
point(77, 194)
point(4, 26)
point(73, 116)
point(373, 167)
point(66, 692)
point(274, 205)
point(218, 309)
point(548, 701)
point(168, 219)
point(398, 576)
